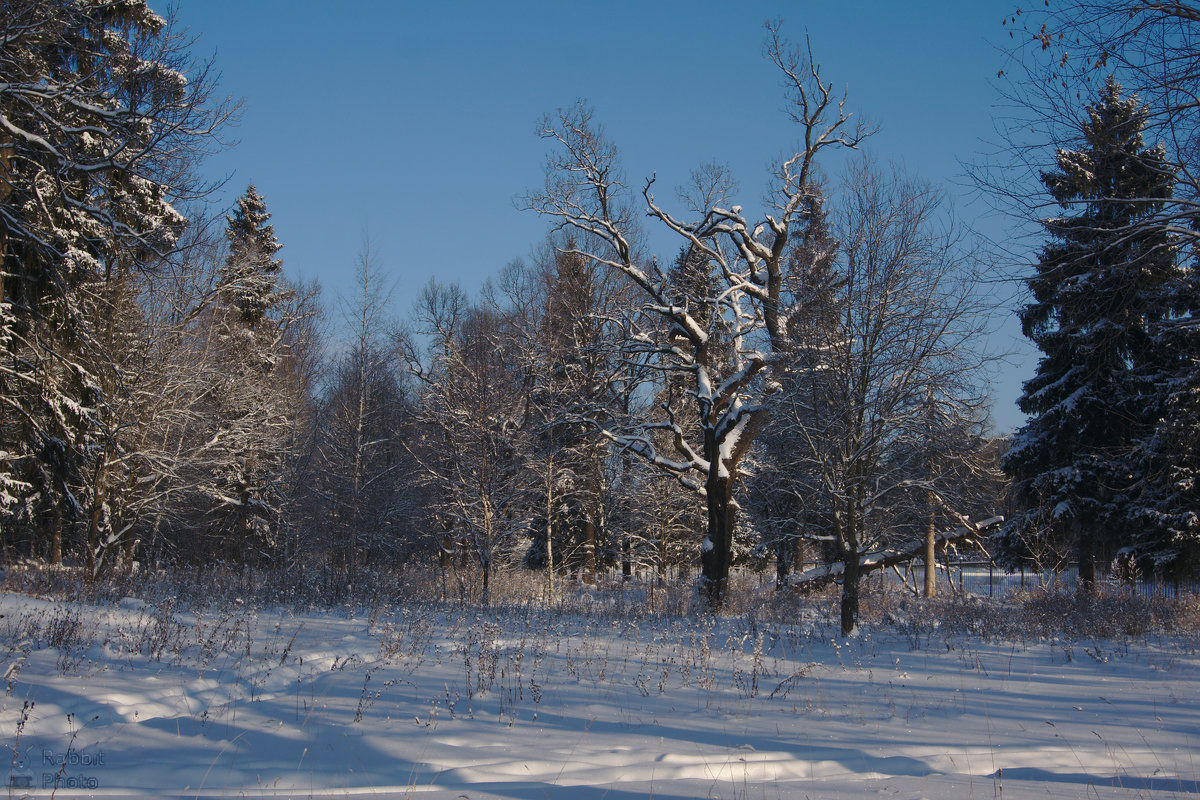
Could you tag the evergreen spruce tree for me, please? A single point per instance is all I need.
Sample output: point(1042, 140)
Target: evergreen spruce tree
point(694, 287)
point(1165, 522)
point(252, 407)
point(573, 384)
point(251, 270)
point(103, 117)
point(787, 489)
point(1100, 288)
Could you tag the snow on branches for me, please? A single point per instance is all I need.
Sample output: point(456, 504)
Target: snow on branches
point(725, 355)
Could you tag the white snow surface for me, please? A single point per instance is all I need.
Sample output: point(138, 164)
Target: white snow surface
point(131, 700)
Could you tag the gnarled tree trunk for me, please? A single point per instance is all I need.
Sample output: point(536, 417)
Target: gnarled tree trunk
point(716, 554)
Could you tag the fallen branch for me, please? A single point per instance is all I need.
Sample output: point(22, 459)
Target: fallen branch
point(817, 577)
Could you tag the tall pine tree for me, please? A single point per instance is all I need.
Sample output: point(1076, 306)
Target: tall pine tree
point(1100, 288)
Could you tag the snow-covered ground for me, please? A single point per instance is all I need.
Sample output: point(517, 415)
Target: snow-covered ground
point(132, 700)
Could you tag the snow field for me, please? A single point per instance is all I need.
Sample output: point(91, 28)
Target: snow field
point(133, 700)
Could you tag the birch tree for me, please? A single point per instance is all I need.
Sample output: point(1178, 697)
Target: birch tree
point(364, 469)
point(471, 427)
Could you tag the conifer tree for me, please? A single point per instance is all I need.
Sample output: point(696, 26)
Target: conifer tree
point(1101, 286)
point(572, 382)
point(1165, 513)
point(786, 487)
point(103, 117)
point(252, 408)
point(251, 271)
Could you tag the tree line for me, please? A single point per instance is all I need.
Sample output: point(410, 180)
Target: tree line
point(801, 384)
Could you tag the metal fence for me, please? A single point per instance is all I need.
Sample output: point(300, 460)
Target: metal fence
point(971, 576)
point(985, 578)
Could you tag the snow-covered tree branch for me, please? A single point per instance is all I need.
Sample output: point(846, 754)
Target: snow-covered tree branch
point(721, 339)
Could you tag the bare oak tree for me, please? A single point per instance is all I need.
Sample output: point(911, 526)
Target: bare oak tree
point(584, 191)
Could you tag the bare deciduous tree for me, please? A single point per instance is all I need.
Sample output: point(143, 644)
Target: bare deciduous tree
point(471, 426)
point(883, 404)
point(584, 192)
point(363, 419)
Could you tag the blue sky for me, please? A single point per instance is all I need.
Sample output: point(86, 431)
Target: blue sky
point(415, 122)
